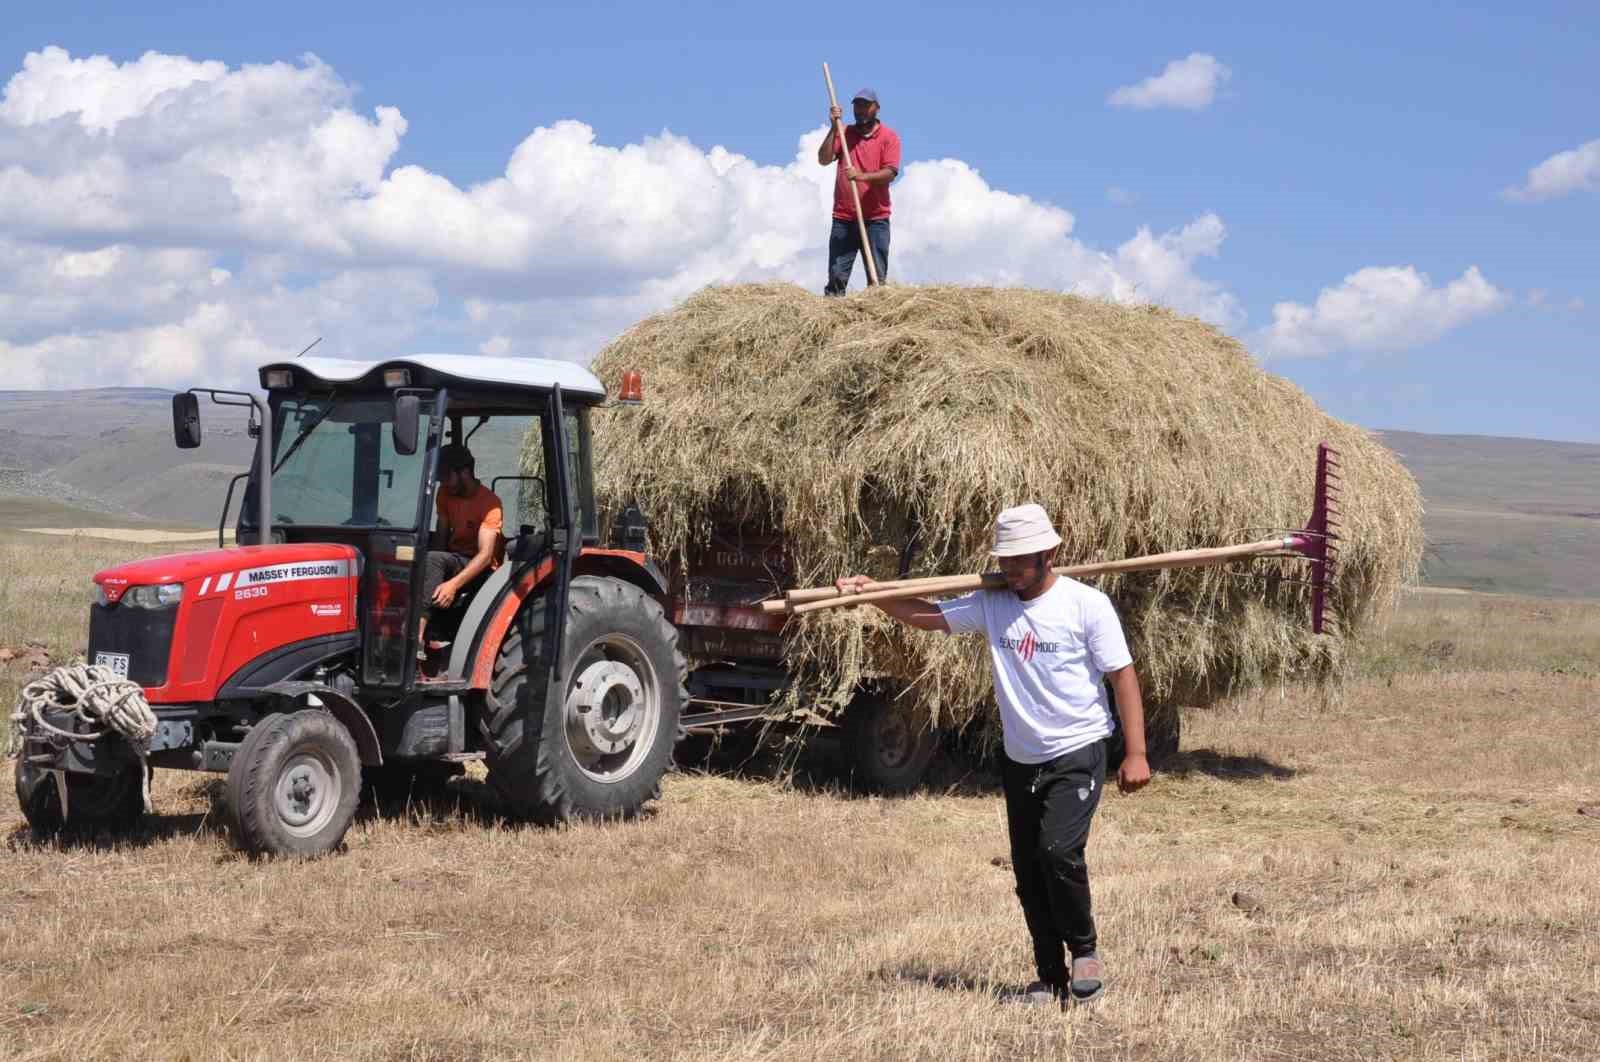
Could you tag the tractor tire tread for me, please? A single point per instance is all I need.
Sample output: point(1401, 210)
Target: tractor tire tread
point(540, 791)
point(252, 778)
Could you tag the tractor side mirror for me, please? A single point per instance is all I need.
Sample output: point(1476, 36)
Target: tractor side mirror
point(407, 415)
point(186, 420)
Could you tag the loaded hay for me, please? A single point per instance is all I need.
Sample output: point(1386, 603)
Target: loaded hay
point(848, 424)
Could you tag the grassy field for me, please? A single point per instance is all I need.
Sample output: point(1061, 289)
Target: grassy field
point(1401, 872)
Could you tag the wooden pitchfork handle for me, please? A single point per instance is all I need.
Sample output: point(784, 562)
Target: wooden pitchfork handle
point(855, 193)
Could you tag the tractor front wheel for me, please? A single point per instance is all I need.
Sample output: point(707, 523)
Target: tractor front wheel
point(294, 785)
point(599, 750)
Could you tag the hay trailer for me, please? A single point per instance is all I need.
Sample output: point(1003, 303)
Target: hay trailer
point(730, 605)
point(289, 662)
point(716, 600)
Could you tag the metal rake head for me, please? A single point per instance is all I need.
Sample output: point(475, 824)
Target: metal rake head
point(1318, 541)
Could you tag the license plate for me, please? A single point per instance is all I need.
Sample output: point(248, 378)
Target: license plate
point(117, 662)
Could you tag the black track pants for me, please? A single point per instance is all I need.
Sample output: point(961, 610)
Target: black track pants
point(1048, 810)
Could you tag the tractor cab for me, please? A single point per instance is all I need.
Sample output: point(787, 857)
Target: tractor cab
point(355, 461)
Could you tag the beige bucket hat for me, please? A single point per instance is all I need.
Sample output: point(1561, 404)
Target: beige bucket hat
point(1023, 529)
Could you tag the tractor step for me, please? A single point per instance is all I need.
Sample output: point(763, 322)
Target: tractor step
point(461, 757)
point(443, 685)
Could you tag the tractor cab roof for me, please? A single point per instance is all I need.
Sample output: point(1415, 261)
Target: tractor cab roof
point(476, 382)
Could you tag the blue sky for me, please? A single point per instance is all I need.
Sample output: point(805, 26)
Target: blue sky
point(1354, 137)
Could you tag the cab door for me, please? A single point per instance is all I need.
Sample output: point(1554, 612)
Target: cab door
point(397, 551)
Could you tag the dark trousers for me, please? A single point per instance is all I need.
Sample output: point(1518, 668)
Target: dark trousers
point(844, 243)
point(441, 565)
point(1048, 810)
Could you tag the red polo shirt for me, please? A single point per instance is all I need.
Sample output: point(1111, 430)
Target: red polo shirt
point(872, 152)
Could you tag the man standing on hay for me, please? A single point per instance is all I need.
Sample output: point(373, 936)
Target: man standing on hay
point(1051, 642)
point(871, 159)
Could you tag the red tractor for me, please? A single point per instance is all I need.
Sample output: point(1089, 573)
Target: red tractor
point(290, 661)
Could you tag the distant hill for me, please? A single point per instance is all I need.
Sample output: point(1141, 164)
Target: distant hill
point(1503, 515)
point(110, 450)
point(1515, 516)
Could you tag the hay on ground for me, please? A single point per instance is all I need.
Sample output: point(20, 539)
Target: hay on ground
point(849, 422)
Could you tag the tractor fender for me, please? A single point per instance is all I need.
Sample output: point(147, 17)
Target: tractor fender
point(482, 606)
point(271, 669)
point(473, 655)
point(342, 708)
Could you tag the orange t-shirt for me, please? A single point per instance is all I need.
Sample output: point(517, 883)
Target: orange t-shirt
point(463, 516)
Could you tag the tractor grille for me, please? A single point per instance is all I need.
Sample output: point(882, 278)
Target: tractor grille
point(144, 634)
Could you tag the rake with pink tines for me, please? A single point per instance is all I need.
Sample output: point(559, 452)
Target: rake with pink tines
point(1317, 542)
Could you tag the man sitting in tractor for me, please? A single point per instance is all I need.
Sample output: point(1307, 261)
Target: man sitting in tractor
point(467, 540)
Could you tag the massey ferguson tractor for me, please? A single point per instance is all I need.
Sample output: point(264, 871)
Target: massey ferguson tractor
point(290, 661)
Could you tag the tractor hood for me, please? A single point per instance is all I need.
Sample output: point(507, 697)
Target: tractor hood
point(241, 566)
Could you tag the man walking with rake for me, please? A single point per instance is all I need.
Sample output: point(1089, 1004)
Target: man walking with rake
point(1052, 642)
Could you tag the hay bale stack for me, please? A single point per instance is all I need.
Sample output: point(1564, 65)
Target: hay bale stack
point(848, 422)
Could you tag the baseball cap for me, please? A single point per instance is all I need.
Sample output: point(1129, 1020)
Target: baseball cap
point(865, 94)
point(1023, 529)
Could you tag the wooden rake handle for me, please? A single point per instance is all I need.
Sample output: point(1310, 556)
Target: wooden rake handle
point(820, 598)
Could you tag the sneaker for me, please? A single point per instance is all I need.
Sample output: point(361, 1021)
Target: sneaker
point(1038, 994)
point(1088, 978)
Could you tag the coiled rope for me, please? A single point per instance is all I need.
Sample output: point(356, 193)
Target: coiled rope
point(98, 697)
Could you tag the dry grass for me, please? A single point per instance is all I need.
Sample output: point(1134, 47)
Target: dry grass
point(847, 422)
point(1425, 891)
point(1444, 631)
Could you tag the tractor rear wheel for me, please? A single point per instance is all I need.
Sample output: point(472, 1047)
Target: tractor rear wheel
point(294, 785)
point(110, 802)
point(599, 751)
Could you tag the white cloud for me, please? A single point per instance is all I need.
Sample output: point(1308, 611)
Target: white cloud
point(167, 219)
point(1542, 300)
point(96, 91)
point(1161, 270)
point(1380, 308)
point(1561, 174)
point(1189, 83)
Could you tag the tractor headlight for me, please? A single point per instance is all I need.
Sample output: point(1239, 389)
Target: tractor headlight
point(164, 596)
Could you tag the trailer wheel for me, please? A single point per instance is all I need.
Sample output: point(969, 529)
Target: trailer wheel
point(887, 751)
point(114, 802)
point(1163, 729)
point(294, 785)
point(600, 751)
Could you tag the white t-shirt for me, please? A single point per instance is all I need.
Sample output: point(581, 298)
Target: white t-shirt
point(1050, 655)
